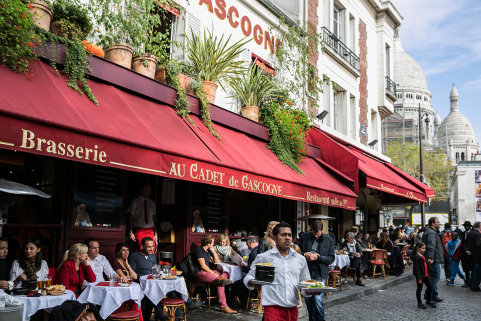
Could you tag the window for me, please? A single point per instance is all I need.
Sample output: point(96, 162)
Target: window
point(352, 32)
point(457, 156)
point(462, 156)
point(388, 61)
point(353, 117)
point(334, 108)
point(335, 18)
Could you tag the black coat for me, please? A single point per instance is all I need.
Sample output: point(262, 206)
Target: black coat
point(387, 246)
point(418, 266)
point(4, 271)
point(252, 257)
point(472, 244)
point(325, 250)
point(263, 246)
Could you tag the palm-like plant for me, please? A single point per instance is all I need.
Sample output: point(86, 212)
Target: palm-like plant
point(211, 58)
point(252, 86)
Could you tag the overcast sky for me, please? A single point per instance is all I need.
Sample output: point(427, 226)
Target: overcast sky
point(444, 36)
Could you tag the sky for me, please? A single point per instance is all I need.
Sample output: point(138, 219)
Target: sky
point(444, 36)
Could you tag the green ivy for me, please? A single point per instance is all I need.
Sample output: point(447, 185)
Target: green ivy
point(288, 129)
point(181, 104)
point(196, 85)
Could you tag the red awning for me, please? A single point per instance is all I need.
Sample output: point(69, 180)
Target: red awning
point(263, 64)
point(423, 187)
point(376, 174)
point(43, 116)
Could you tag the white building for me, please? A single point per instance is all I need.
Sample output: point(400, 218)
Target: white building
point(466, 191)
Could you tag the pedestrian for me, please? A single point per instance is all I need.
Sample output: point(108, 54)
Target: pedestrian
point(318, 249)
point(473, 243)
point(445, 238)
point(280, 301)
point(434, 255)
point(452, 251)
point(420, 271)
point(465, 262)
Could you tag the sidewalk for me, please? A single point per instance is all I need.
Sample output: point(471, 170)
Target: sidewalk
point(350, 291)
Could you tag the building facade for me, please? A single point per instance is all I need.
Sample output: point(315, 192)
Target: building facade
point(466, 191)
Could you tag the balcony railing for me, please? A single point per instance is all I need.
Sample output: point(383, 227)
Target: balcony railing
point(391, 86)
point(338, 46)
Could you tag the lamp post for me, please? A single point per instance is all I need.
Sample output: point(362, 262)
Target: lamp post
point(421, 169)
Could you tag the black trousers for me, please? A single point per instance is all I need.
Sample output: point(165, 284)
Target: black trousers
point(356, 264)
point(241, 291)
point(419, 289)
point(467, 269)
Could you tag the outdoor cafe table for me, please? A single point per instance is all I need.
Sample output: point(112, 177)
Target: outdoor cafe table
point(234, 271)
point(32, 304)
point(156, 289)
point(111, 297)
point(341, 260)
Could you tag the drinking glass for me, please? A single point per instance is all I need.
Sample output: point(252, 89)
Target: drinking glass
point(48, 281)
point(111, 279)
point(39, 284)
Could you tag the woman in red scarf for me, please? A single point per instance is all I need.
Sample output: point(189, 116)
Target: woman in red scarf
point(75, 268)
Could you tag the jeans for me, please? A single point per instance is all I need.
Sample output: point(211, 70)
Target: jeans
point(314, 304)
point(435, 273)
point(475, 275)
point(447, 268)
point(356, 264)
point(455, 270)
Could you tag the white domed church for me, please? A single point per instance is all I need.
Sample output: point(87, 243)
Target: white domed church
point(455, 134)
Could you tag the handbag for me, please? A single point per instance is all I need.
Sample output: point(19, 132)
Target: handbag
point(86, 315)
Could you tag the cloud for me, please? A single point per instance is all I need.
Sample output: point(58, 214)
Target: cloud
point(442, 34)
point(473, 86)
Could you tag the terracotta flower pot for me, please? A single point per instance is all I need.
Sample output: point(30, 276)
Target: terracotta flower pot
point(251, 112)
point(185, 82)
point(43, 16)
point(160, 75)
point(139, 64)
point(209, 88)
point(121, 54)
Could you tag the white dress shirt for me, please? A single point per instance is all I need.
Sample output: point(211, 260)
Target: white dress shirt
point(290, 270)
point(100, 265)
point(137, 210)
point(16, 270)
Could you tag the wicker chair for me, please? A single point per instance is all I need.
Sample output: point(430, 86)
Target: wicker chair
point(378, 258)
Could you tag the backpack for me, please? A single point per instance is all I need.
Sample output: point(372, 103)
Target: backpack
point(446, 238)
point(188, 268)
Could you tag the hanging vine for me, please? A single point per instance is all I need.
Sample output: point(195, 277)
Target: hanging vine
point(181, 103)
point(196, 86)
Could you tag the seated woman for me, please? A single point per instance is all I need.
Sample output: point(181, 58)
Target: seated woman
point(396, 236)
point(222, 248)
point(267, 242)
point(121, 265)
point(75, 268)
point(385, 244)
point(201, 259)
point(4, 285)
point(30, 265)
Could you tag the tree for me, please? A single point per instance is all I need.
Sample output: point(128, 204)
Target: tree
point(436, 166)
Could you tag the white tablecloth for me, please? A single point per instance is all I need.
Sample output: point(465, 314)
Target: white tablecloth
point(31, 304)
point(234, 271)
point(341, 261)
point(110, 297)
point(155, 290)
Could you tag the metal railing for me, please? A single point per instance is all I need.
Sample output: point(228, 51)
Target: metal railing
point(338, 46)
point(391, 86)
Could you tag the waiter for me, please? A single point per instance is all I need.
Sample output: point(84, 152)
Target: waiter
point(142, 216)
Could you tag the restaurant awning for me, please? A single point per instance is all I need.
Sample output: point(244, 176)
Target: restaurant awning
point(43, 116)
point(368, 171)
point(261, 63)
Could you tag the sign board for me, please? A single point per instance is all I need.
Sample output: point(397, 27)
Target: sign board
point(387, 217)
point(363, 130)
point(477, 194)
point(442, 217)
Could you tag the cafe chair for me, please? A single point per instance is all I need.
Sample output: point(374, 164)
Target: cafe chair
point(124, 316)
point(172, 304)
point(334, 276)
point(378, 258)
point(206, 286)
point(404, 253)
point(257, 301)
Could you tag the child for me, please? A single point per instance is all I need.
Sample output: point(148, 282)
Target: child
point(452, 250)
point(420, 271)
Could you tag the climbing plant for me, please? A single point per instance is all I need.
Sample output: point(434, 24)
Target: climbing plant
point(196, 86)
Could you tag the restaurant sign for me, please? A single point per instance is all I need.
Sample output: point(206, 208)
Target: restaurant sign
point(42, 140)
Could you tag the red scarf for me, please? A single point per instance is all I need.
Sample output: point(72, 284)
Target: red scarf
point(425, 266)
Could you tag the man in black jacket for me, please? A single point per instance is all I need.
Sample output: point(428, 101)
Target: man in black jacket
point(473, 243)
point(238, 288)
point(434, 256)
point(318, 249)
point(354, 249)
point(463, 235)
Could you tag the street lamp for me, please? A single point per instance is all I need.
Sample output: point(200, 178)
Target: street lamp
point(322, 115)
point(421, 170)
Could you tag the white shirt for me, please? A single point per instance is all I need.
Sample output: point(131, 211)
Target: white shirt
point(290, 270)
point(137, 210)
point(16, 270)
point(100, 265)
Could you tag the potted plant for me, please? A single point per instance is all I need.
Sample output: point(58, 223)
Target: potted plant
point(211, 59)
point(251, 87)
point(70, 20)
point(43, 13)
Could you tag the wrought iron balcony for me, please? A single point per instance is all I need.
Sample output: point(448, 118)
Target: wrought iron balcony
point(339, 47)
point(391, 86)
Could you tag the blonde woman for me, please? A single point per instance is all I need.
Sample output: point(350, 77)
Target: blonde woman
point(197, 226)
point(222, 248)
point(75, 268)
point(267, 242)
point(82, 219)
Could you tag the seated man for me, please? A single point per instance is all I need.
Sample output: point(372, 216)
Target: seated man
point(238, 288)
point(354, 250)
point(99, 263)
